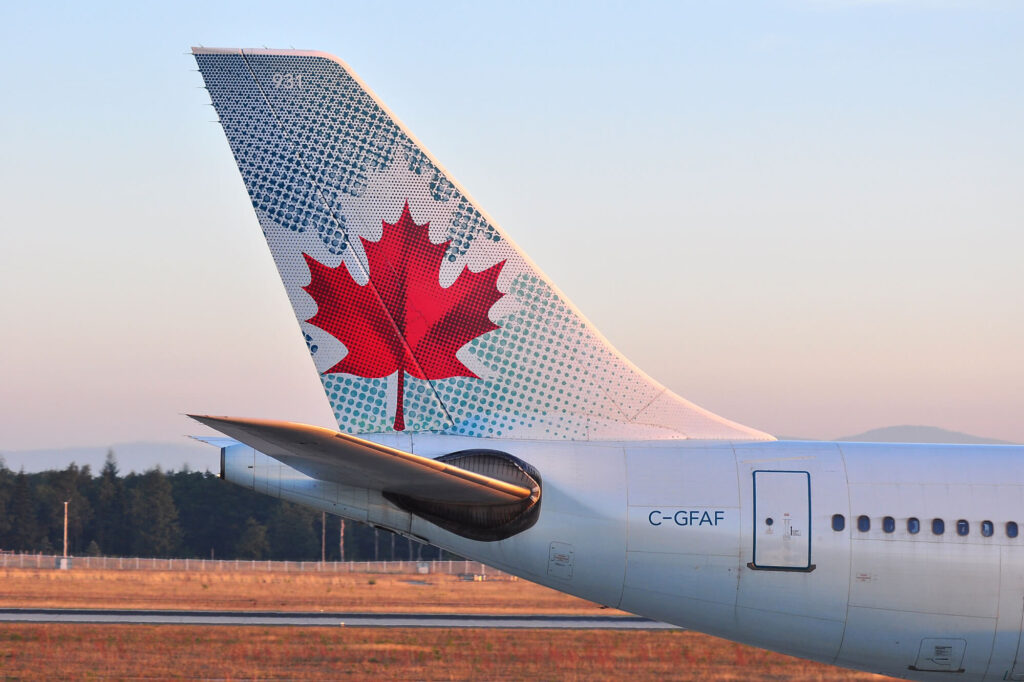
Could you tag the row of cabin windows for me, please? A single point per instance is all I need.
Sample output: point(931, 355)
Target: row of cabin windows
point(963, 527)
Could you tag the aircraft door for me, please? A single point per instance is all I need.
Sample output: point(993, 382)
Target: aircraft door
point(782, 521)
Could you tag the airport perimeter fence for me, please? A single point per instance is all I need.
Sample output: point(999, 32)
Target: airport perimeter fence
point(453, 567)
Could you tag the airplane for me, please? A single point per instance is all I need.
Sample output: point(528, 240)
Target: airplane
point(479, 411)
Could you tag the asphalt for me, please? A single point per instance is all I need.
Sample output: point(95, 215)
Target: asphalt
point(321, 619)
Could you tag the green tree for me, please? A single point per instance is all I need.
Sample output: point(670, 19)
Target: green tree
point(24, 533)
point(291, 534)
point(110, 529)
point(6, 490)
point(253, 543)
point(202, 498)
point(52, 490)
point(154, 516)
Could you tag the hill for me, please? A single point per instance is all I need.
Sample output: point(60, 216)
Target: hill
point(920, 434)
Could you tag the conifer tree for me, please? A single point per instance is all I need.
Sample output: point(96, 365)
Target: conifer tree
point(109, 503)
point(253, 543)
point(24, 525)
point(291, 535)
point(71, 485)
point(6, 491)
point(154, 516)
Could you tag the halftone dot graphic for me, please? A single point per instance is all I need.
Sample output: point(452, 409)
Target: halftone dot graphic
point(418, 313)
point(402, 321)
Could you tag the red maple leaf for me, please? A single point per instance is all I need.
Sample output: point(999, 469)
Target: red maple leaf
point(402, 320)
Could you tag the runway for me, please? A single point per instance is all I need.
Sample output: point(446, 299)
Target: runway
point(337, 619)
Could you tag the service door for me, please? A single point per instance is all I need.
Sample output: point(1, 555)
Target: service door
point(782, 520)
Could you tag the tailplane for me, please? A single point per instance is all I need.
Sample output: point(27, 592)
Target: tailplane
point(418, 312)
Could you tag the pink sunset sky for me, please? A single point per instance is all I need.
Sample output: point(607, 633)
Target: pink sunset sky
point(806, 218)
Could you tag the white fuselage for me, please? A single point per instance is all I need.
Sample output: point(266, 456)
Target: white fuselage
point(679, 531)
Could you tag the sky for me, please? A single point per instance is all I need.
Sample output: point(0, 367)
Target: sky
point(804, 215)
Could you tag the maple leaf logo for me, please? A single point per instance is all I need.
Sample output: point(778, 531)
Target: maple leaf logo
point(402, 321)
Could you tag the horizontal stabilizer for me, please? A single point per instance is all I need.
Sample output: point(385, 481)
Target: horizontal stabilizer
point(216, 441)
point(332, 456)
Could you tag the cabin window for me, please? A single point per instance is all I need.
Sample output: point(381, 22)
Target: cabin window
point(987, 528)
point(962, 527)
point(913, 526)
point(938, 526)
point(888, 524)
point(863, 524)
point(838, 522)
point(1011, 529)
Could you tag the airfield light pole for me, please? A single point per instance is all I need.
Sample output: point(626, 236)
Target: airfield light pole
point(323, 537)
point(341, 540)
point(66, 528)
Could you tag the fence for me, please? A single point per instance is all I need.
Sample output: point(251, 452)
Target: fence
point(455, 567)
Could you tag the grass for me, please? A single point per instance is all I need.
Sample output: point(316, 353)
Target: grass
point(278, 591)
point(166, 651)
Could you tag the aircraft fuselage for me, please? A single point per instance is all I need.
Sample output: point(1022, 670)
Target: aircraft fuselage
point(807, 548)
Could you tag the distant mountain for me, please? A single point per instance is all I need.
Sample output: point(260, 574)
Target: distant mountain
point(920, 434)
point(137, 457)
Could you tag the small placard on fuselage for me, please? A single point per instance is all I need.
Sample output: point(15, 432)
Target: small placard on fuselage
point(561, 559)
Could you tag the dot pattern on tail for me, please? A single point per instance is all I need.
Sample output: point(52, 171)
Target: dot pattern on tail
point(328, 169)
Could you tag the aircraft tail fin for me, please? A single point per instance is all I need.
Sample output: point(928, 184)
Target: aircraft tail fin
point(418, 311)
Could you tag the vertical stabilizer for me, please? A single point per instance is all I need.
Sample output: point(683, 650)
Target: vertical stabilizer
point(419, 313)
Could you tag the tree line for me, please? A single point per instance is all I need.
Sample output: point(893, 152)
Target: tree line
point(178, 514)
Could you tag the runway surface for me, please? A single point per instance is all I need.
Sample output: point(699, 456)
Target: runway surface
point(318, 619)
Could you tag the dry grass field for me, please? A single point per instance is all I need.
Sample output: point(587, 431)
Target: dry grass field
point(168, 652)
point(278, 591)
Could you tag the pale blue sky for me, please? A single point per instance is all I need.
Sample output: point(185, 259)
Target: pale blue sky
point(822, 198)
